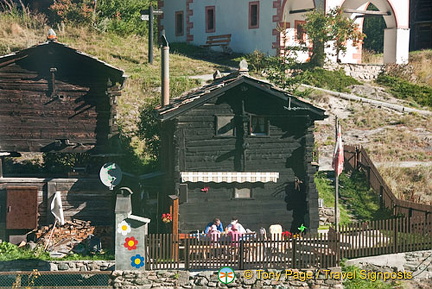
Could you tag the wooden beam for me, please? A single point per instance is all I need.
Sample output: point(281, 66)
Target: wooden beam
point(301, 10)
point(368, 12)
point(174, 210)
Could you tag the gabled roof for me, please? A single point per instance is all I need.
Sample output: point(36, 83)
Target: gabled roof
point(50, 48)
point(203, 94)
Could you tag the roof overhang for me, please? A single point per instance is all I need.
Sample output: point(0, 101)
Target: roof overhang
point(229, 177)
point(218, 88)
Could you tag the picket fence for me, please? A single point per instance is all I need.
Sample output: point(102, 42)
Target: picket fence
point(170, 251)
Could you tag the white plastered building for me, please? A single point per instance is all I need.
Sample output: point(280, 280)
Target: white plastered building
point(270, 26)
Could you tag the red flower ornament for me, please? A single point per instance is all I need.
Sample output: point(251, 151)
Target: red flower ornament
point(131, 243)
point(166, 218)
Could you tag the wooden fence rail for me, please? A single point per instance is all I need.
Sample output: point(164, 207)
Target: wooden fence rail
point(167, 251)
point(356, 158)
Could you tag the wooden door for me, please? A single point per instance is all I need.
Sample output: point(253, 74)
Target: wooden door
point(22, 208)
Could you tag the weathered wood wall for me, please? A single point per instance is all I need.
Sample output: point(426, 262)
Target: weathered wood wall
point(40, 106)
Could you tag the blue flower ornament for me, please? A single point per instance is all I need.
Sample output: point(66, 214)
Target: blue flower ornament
point(137, 261)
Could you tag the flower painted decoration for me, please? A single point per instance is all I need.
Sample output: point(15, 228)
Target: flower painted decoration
point(131, 243)
point(123, 228)
point(286, 235)
point(166, 218)
point(137, 261)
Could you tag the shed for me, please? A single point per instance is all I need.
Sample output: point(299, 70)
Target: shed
point(237, 147)
point(55, 99)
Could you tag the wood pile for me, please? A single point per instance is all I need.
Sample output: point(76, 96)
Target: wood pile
point(72, 236)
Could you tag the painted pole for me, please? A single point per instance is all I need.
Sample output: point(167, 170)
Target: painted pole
point(336, 161)
point(150, 40)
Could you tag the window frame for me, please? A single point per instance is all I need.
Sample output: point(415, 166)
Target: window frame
point(218, 127)
point(250, 18)
point(266, 126)
point(300, 34)
point(236, 190)
point(177, 32)
point(207, 19)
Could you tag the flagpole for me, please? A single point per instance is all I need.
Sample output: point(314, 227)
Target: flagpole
point(337, 183)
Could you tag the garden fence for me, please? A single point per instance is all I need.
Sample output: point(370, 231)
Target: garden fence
point(168, 251)
point(56, 279)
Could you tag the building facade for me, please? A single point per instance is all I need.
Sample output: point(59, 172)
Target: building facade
point(273, 26)
point(239, 147)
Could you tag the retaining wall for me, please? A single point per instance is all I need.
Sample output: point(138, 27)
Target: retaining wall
point(417, 263)
point(363, 72)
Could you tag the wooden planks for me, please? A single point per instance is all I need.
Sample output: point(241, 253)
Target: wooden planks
point(35, 111)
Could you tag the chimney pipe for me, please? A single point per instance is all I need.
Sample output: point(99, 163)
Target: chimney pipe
point(165, 71)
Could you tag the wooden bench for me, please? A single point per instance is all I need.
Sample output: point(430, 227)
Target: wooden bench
point(219, 40)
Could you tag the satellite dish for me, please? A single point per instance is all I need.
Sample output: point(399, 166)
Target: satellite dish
point(111, 175)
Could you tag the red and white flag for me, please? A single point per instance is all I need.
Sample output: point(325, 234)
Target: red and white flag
point(338, 156)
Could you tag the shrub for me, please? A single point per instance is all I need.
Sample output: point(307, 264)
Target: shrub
point(119, 16)
point(122, 16)
point(72, 11)
point(333, 80)
point(405, 90)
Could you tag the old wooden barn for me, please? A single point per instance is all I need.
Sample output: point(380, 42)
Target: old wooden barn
point(237, 147)
point(55, 99)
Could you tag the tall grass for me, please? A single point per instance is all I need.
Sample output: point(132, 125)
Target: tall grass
point(412, 184)
point(422, 64)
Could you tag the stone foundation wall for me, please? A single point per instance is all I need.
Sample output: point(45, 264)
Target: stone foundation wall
point(362, 72)
point(327, 216)
point(418, 263)
point(209, 279)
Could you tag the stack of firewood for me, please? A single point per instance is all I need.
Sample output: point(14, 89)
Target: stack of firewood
point(71, 236)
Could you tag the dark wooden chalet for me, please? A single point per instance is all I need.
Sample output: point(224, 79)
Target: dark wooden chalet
point(55, 99)
point(236, 147)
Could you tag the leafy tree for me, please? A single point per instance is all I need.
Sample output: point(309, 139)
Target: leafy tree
point(317, 29)
point(119, 16)
point(69, 11)
point(149, 129)
point(286, 73)
point(331, 27)
point(122, 16)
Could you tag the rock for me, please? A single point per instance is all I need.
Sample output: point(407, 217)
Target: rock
point(145, 286)
point(201, 281)
point(63, 266)
point(53, 267)
point(117, 273)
